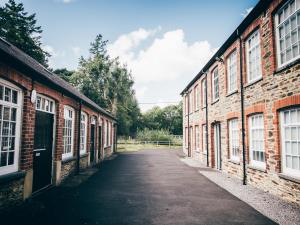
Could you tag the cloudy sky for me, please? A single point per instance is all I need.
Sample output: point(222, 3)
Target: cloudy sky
point(163, 42)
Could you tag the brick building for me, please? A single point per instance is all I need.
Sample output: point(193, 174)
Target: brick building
point(242, 111)
point(48, 129)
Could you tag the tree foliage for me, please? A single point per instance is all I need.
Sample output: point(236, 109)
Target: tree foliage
point(64, 73)
point(109, 84)
point(168, 118)
point(19, 28)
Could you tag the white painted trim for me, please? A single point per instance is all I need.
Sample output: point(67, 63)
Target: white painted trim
point(19, 106)
point(69, 154)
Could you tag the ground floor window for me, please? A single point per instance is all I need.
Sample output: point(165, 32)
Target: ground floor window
point(68, 136)
point(197, 138)
point(233, 139)
point(256, 140)
point(204, 139)
point(290, 135)
point(191, 138)
point(83, 132)
point(10, 120)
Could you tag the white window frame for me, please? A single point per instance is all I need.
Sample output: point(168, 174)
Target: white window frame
point(197, 95)
point(197, 138)
point(83, 124)
point(66, 117)
point(191, 138)
point(45, 104)
point(232, 72)
point(291, 125)
point(186, 137)
point(203, 87)
point(256, 163)
point(249, 50)
point(204, 139)
point(215, 85)
point(278, 24)
point(15, 166)
point(233, 131)
point(191, 105)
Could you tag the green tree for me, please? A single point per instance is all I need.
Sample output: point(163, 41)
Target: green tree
point(19, 28)
point(109, 84)
point(64, 73)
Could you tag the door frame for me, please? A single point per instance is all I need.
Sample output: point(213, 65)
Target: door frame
point(53, 138)
point(217, 150)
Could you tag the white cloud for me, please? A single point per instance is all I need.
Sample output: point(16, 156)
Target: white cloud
point(76, 51)
point(167, 58)
point(244, 14)
point(2, 2)
point(163, 67)
point(65, 1)
point(56, 56)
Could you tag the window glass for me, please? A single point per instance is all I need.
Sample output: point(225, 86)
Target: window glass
point(288, 32)
point(290, 132)
point(68, 135)
point(83, 133)
point(256, 140)
point(232, 72)
point(253, 57)
point(234, 139)
point(215, 84)
point(10, 110)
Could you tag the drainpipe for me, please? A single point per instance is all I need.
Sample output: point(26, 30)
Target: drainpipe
point(78, 139)
point(242, 110)
point(206, 118)
point(189, 144)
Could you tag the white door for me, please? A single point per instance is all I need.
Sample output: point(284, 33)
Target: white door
point(217, 146)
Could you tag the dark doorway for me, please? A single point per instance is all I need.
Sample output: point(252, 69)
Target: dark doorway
point(42, 150)
point(99, 141)
point(92, 148)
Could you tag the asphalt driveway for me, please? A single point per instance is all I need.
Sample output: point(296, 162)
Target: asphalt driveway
point(146, 187)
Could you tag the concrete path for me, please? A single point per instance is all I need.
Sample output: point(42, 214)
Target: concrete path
point(146, 187)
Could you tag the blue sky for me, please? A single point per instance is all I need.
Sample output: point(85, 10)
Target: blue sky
point(165, 43)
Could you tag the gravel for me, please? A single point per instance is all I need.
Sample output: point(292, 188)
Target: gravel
point(269, 205)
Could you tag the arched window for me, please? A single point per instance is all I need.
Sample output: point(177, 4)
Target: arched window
point(83, 132)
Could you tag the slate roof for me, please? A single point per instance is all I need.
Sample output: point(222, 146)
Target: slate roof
point(254, 14)
point(23, 60)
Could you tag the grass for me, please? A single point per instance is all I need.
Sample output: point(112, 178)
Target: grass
point(137, 147)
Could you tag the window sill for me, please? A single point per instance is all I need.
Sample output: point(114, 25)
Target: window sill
point(253, 82)
point(11, 176)
point(215, 101)
point(235, 161)
point(262, 169)
point(69, 159)
point(83, 155)
point(287, 66)
point(203, 107)
point(289, 177)
point(232, 93)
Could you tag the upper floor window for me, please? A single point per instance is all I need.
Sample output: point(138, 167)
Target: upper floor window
point(10, 123)
point(288, 32)
point(191, 102)
point(256, 140)
point(231, 72)
point(215, 84)
point(68, 136)
point(290, 136)
point(203, 87)
point(186, 104)
point(234, 139)
point(253, 57)
point(197, 95)
point(83, 132)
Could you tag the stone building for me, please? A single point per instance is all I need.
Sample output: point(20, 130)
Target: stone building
point(48, 129)
point(242, 110)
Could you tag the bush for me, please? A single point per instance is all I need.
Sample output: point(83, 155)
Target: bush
point(153, 135)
